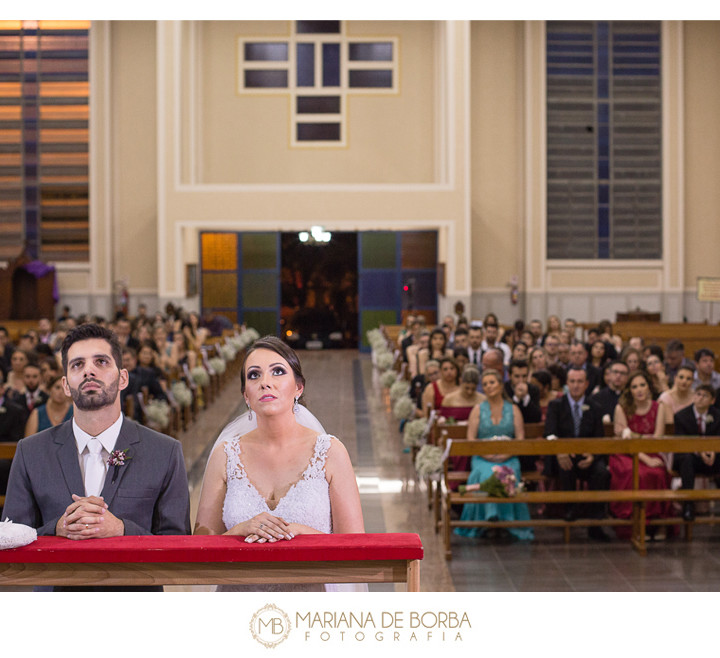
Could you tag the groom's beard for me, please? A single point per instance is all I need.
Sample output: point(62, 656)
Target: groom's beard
point(94, 399)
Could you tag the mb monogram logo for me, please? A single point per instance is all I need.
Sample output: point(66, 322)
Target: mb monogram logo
point(270, 626)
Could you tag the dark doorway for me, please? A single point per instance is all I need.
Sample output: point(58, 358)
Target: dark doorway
point(319, 291)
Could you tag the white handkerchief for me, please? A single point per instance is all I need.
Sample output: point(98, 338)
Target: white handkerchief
point(14, 535)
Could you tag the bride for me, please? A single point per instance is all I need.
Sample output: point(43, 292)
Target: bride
point(282, 478)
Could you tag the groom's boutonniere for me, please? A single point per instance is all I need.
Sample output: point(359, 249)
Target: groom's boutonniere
point(585, 407)
point(117, 459)
point(709, 418)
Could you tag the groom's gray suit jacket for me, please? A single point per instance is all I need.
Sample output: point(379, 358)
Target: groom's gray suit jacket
point(149, 493)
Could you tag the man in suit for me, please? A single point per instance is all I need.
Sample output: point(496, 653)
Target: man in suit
point(573, 415)
point(608, 397)
point(12, 428)
point(701, 418)
point(475, 339)
point(100, 474)
point(34, 395)
point(579, 359)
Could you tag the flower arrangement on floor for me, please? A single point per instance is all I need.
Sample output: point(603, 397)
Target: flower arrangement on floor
point(384, 360)
point(157, 413)
point(429, 461)
point(414, 433)
point(217, 363)
point(501, 484)
point(399, 389)
point(200, 376)
point(182, 394)
point(376, 339)
point(404, 408)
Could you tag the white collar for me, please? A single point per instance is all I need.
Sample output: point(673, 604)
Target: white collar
point(108, 437)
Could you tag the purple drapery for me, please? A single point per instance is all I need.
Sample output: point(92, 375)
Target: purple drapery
point(39, 269)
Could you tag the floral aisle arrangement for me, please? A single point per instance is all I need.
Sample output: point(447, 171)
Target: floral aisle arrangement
point(200, 376)
point(388, 378)
point(414, 433)
point(398, 389)
point(501, 484)
point(157, 413)
point(429, 461)
point(228, 352)
point(182, 394)
point(404, 408)
point(217, 363)
point(384, 361)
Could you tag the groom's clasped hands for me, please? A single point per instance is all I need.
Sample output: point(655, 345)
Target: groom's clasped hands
point(88, 517)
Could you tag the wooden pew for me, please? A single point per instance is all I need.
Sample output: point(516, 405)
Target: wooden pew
point(605, 446)
point(215, 560)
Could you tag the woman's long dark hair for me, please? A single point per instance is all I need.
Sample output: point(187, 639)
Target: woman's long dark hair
point(627, 401)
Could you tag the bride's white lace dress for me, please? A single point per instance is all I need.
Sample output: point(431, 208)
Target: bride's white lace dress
point(306, 502)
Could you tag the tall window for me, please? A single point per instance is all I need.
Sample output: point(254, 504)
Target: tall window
point(604, 148)
point(44, 139)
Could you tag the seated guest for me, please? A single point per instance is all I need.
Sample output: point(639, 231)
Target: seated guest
point(419, 382)
point(563, 355)
point(526, 395)
point(166, 349)
point(417, 325)
point(18, 360)
point(140, 380)
point(461, 338)
point(437, 349)
point(573, 415)
point(551, 344)
point(705, 369)
point(33, 394)
point(49, 369)
point(55, 411)
point(674, 358)
point(491, 332)
point(699, 419)
point(496, 416)
point(598, 353)
point(458, 405)
point(435, 391)
point(633, 358)
point(680, 394)
point(639, 415)
point(554, 327)
point(607, 397)
point(413, 351)
point(579, 359)
point(475, 339)
point(537, 359)
point(519, 351)
point(656, 370)
point(460, 354)
point(536, 329)
point(543, 380)
point(559, 378)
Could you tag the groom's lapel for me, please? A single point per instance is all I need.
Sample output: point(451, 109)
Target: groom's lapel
point(127, 440)
point(67, 455)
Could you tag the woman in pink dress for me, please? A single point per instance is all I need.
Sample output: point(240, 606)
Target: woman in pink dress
point(636, 415)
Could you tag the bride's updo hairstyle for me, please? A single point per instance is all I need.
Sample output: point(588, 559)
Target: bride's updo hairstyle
point(274, 344)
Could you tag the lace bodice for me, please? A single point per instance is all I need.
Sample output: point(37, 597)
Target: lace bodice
point(306, 502)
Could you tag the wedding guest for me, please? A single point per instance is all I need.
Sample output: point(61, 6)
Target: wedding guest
point(496, 416)
point(633, 358)
point(680, 394)
point(251, 489)
point(705, 369)
point(579, 359)
point(460, 354)
point(574, 415)
point(419, 382)
point(437, 349)
point(701, 418)
point(656, 369)
point(559, 378)
point(19, 359)
point(448, 382)
point(459, 404)
point(491, 332)
point(475, 339)
point(608, 397)
point(55, 411)
point(551, 345)
point(537, 359)
point(674, 358)
point(59, 483)
point(543, 380)
point(638, 414)
point(33, 394)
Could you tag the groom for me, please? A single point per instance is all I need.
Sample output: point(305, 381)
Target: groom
point(99, 475)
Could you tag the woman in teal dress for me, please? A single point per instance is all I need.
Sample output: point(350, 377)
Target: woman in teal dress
point(496, 416)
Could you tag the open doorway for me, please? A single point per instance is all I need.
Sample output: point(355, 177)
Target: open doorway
point(319, 291)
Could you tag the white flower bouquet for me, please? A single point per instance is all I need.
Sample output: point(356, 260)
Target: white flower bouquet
point(182, 394)
point(384, 360)
point(399, 389)
point(429, 460)
point(200, 376)
point(157, 413)
point(404, 408)
point(217, 363)
point(388, 378)
point(414, 433)
point(228, 352)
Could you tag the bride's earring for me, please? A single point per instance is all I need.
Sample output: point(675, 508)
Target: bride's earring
point(295, 406)
point(249, 412)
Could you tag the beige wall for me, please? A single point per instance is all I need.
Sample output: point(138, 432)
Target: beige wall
point(702, 150)
point(458, 149)
point(134, 160)
point(246, 138)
